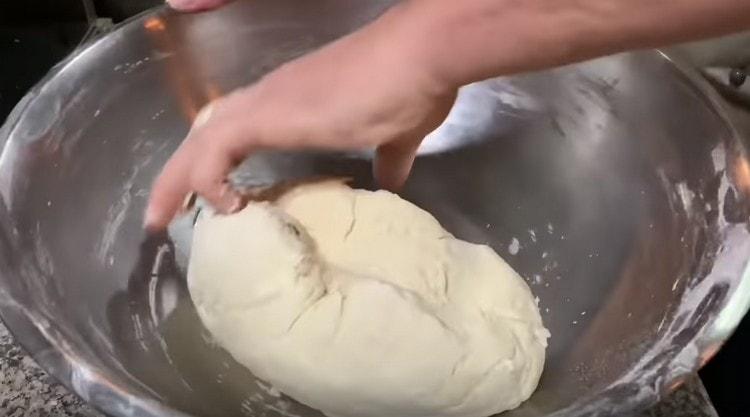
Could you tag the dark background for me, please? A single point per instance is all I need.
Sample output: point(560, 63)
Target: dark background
point(36, 34)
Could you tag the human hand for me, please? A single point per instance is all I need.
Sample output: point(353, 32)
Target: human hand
point(367, 90)
point(196, 5)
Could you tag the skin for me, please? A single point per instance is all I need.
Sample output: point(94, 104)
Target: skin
point(392, 82)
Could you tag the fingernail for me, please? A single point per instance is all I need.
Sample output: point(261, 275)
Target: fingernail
point(150, 220)
point(236, 205)
point(231, 202)
point(189, 201)
point(204, 115)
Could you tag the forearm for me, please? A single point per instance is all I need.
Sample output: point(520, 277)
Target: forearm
point(469, 40)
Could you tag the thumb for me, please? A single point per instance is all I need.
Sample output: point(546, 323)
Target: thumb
point(195, 5)
point(393, 162)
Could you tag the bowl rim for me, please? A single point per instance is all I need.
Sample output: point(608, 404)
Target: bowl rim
point(738, 304)
point(90, 384)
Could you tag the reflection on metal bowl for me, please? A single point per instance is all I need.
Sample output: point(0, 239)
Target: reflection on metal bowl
point(617, 188)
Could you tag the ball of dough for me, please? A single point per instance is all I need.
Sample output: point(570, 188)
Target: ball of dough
point(360, 304)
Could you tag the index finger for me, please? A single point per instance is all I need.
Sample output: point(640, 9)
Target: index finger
point(170, 188)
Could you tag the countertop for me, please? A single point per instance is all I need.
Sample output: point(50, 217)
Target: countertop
point(27, 391)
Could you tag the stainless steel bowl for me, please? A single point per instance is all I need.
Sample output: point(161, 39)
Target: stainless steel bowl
point(617, 188)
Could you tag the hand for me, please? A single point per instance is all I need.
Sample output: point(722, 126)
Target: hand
point(367, 90)
point(196, 5)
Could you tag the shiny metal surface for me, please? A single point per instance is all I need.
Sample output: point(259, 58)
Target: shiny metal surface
point(617, 188)
point(724, 61)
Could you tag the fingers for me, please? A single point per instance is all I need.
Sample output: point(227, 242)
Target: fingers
point(170, 188)
point(209, 180)
point(196, 5)
point(201, 165)
point(393, 162)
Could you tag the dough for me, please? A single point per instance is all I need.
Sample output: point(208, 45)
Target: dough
point(360, 304)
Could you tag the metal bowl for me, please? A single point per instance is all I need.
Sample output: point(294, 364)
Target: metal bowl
point(617, 188)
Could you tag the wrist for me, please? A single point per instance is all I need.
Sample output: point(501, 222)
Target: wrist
point(404, 35)
point(463, 41)
point(473, 40)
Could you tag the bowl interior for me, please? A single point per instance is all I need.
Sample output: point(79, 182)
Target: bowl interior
point(614, 187)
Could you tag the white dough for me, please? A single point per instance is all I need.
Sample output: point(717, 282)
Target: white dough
point(360, 304)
